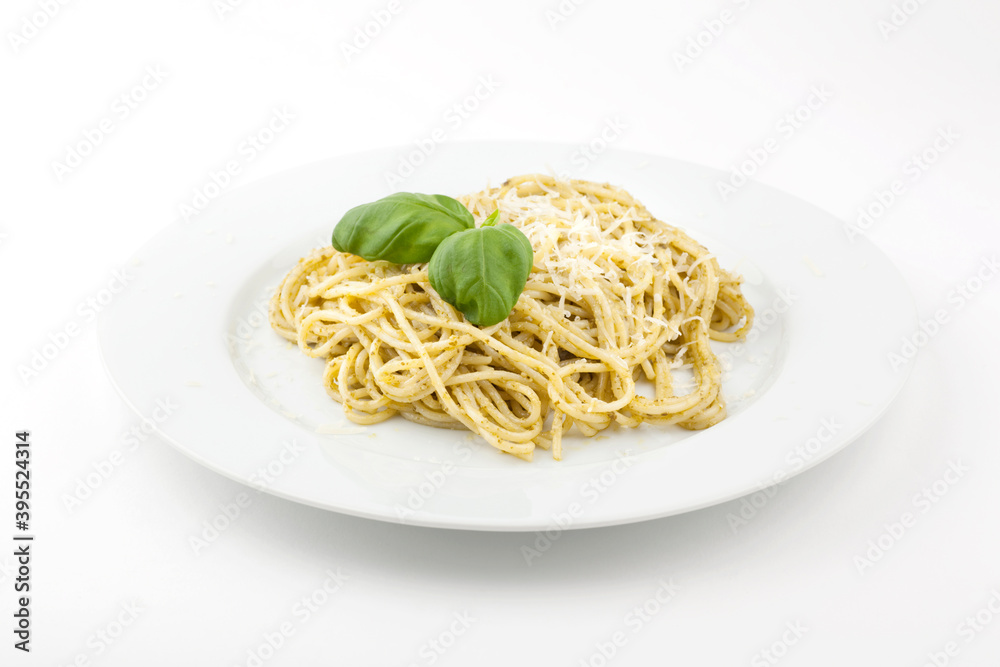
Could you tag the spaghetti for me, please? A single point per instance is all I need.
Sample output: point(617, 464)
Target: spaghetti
point(615, 296)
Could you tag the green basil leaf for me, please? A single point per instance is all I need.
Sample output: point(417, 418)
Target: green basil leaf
point(403, 228)
point(482, 272)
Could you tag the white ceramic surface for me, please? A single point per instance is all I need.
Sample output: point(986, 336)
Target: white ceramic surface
point(194, 330)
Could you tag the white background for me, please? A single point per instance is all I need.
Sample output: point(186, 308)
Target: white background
point(561, 77)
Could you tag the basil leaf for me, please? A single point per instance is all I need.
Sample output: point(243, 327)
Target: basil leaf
point(482, 271)
point(403, 228)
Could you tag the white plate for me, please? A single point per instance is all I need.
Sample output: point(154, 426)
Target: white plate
point(192, 330)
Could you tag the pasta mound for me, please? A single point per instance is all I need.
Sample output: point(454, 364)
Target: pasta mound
point(614, 296)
